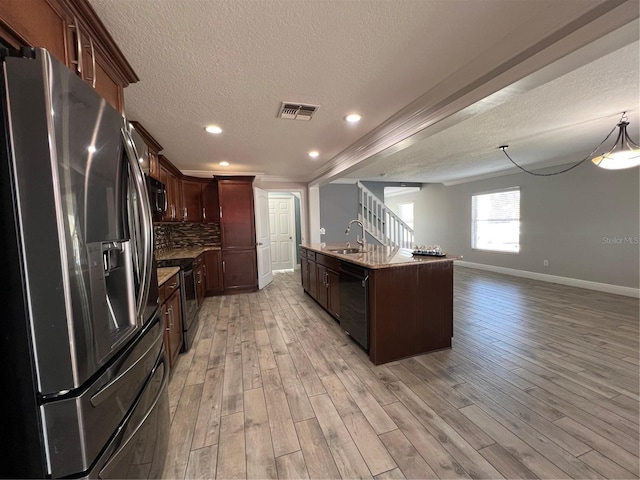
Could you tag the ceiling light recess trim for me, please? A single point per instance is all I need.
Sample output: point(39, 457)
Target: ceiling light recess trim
point(297, 111)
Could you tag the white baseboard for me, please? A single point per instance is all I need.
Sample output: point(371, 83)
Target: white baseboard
point(573, 282)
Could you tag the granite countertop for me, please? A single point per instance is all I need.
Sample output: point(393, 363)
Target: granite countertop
point(186, 252)
point(378, 256)
point(166, 273)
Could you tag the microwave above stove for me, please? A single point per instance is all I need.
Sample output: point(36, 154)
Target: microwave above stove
point(157, 196)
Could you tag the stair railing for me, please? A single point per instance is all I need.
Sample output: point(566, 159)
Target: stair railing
point(381, 222)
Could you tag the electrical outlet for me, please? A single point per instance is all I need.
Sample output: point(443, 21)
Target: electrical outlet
point(545, 263)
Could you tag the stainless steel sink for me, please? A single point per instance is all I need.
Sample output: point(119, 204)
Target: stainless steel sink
point(345, 251)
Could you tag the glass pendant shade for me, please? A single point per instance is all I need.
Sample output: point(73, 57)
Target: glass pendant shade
point(624, 154)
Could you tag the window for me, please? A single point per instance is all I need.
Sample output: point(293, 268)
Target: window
point(495, 221)
point(405, 212)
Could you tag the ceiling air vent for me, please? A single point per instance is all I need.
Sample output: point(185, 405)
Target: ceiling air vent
point(297, 111)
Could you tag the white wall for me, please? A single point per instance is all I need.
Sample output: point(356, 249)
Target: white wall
point(585, 222)
point(302, 190)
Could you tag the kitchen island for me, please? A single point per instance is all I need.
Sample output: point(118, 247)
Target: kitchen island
point(394, 304)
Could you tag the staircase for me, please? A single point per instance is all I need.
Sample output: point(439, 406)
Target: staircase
point(381, 223)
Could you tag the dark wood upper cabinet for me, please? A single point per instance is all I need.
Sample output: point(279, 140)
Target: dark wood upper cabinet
point(210, 204)
point(154, 149)
point(191, 201)
point(73, 33)
point(236, 213)
point(37, 23)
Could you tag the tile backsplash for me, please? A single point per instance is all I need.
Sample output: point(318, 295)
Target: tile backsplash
point(176, 235)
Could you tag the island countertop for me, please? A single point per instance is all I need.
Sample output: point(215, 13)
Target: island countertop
point(377, 256)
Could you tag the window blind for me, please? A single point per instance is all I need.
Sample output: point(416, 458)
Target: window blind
point(496, 221)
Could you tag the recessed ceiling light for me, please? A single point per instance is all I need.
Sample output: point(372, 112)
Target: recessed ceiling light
point(91, 149)
point(313, 154)
point(224, 163)
point(213, 129)
point(353, 117)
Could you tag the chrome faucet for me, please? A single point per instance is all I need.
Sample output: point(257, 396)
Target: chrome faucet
point(362, 242)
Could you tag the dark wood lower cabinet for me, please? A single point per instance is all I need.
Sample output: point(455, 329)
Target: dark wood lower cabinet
point(200, 269)
point(409, 308)
point(333, 293)
point(213, 265)
point(328, 287)
point(322, 294)
point(304, 271)
point(239, 270)
point(171, 310)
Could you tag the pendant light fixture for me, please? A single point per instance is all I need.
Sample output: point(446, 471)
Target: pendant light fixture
point(624, 154)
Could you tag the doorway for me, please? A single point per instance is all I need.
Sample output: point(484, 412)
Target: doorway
point(285, 232)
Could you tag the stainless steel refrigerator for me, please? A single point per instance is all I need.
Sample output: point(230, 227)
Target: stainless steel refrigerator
point(82, 367)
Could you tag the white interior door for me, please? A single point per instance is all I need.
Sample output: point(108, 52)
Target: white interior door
point(265, 274)
point(282, 226)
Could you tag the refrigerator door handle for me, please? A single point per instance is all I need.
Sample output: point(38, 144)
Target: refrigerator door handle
point(145, 216)
point(123, 445)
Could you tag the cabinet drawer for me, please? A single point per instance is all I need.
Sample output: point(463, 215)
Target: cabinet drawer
point(171, 285)
point(303, 252)
point(329, 262)
point(311, 255)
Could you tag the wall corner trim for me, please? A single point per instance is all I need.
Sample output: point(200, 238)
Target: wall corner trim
point(573, 282)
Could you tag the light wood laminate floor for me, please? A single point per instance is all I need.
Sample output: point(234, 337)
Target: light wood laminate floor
point(541, 382)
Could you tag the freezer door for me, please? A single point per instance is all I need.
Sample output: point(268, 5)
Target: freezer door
point(78, 428)
point(84, 222)
point(140, 449)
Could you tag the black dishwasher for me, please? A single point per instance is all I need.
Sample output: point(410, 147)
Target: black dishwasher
point(354, 302)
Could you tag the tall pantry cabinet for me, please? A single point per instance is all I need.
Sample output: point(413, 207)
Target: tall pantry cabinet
point(239, 262)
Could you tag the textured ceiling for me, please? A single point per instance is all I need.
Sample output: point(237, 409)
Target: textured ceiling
point(231, 62)
point(558, 122)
